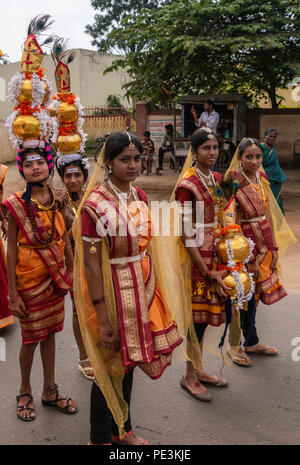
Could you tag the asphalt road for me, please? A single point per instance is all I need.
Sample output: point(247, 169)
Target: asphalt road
point(260, 406)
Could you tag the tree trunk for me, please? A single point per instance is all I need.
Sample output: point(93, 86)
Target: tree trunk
point(272, 96)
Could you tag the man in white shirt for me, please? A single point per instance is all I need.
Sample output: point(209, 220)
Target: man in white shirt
point(209, 118)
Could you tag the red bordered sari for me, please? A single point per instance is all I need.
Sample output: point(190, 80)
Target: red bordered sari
point(207, 307)
point(146, 336)
point(42, 277)
point(268, 287)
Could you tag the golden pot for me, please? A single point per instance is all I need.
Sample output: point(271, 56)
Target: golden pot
point(229, 281)
point(67, 113)
point(69, 144)
point(239, 245)
point(26, 91)
point(26, 127)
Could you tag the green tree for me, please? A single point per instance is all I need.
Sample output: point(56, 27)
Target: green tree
point(211, 46)
point(110, 16)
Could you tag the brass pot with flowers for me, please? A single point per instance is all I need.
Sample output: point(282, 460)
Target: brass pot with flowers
point(233, 251)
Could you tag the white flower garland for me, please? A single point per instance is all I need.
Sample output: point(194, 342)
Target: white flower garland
point(43, 118)
point(14, 88)
point(50, 90)
point(38, 91)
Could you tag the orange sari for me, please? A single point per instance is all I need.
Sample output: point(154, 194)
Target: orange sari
point(42, 278)
point(146, 337)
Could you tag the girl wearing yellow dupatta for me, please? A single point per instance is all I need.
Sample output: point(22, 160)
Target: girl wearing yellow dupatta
point(200, 187)
point(125, 318)
point(263, 223)
point(38, 277)
point(6, 318)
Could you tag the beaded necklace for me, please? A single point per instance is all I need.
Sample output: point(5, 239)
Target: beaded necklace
point(73, 204)
point(43, 207)
point(216, 190)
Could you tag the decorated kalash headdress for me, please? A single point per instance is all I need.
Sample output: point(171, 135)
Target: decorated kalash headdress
point(30, 90)
point(66, 111)
point(29, 125)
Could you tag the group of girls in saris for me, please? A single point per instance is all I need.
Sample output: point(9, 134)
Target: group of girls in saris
point(127, 317)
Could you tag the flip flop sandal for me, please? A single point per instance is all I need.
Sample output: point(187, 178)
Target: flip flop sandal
point(220, 383)
point(130, 433)
point(236, 354)
point(21, 408)
point(85, 370)
point(266, 350)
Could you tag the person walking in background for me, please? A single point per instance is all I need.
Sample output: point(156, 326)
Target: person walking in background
point(271, 165)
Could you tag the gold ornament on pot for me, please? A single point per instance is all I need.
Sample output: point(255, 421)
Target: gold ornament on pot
point(233, 250)
point(68, 136)
point(28, 90)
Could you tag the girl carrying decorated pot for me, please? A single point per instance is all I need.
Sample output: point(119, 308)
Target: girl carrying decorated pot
point(199, 186)
point(258, 214)
point(39, 258)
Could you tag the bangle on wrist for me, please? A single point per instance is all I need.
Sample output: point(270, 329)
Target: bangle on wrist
point(207, 274)
point(275, 248)
point(12, 300)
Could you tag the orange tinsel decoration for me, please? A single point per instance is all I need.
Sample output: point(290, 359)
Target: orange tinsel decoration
point(66, 98)
point(25, 108)
point(237, 267)
point(235, 227)
point(67, 129)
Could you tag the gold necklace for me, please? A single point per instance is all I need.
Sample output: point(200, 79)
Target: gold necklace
point(73, 204)
point(41, 206)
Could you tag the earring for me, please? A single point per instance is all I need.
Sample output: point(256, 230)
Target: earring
point(240, 167)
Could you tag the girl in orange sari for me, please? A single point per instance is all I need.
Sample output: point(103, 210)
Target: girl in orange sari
point(115, 218)
point(251, 187)
point(38, 277)
point(6, 318)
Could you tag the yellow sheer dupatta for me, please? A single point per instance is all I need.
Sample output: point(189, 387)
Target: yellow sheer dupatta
point(107, 364)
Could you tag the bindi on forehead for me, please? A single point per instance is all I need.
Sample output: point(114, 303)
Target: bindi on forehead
point(33, 157)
